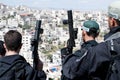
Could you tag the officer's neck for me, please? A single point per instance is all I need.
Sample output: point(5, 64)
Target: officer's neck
point(8, 53)
point(89, 39)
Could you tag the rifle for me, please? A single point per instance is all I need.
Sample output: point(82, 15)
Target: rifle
point(72, 35)
point(35, 42)
point(71, 41)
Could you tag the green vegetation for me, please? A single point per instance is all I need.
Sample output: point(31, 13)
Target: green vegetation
point(26, 26)
point(52, 49)
point(48, 51)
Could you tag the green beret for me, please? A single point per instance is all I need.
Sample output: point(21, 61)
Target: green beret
point(87, 25)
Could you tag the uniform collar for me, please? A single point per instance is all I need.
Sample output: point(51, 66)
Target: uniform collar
point(91, 42)
point(115, 29)
point(112, 31)
point(11, 59)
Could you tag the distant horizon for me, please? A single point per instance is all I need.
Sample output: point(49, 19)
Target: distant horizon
point(61, 4)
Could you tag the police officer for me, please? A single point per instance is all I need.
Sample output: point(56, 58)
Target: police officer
point(14, 66)
point(90, 31)
point(94, 65)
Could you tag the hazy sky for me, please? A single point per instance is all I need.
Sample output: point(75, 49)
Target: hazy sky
point(62, 4)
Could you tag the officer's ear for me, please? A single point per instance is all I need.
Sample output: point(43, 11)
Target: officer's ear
point(4, 45)
point(113, 22)
point(85, 32)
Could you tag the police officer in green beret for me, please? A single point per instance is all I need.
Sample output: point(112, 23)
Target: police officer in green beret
point(101, 62)
point(90, 30)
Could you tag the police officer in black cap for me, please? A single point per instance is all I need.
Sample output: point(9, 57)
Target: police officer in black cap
point(95, 63)
point(90, 30)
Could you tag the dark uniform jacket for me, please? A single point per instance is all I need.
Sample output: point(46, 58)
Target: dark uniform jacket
point(70, 59)
point(85, 46)
point(95, 63)
point(112, 31)
point(15, 67)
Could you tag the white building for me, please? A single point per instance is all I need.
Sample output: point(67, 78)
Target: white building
point(2, 23)
point(12, 22)
point(1, 35)
point(26, 40)
point(57, 58)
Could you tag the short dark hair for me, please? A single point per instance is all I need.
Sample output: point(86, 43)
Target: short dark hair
point(13, 40)
point(93, 32)
point(2, 49)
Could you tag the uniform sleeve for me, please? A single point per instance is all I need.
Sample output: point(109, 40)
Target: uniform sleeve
point(32, 74)
point(67, 65)
point(41, 75)
point(79, 66)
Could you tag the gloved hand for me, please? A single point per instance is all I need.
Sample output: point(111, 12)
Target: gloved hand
point(40, 65)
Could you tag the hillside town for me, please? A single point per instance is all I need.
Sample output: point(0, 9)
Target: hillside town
point(55, 34)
